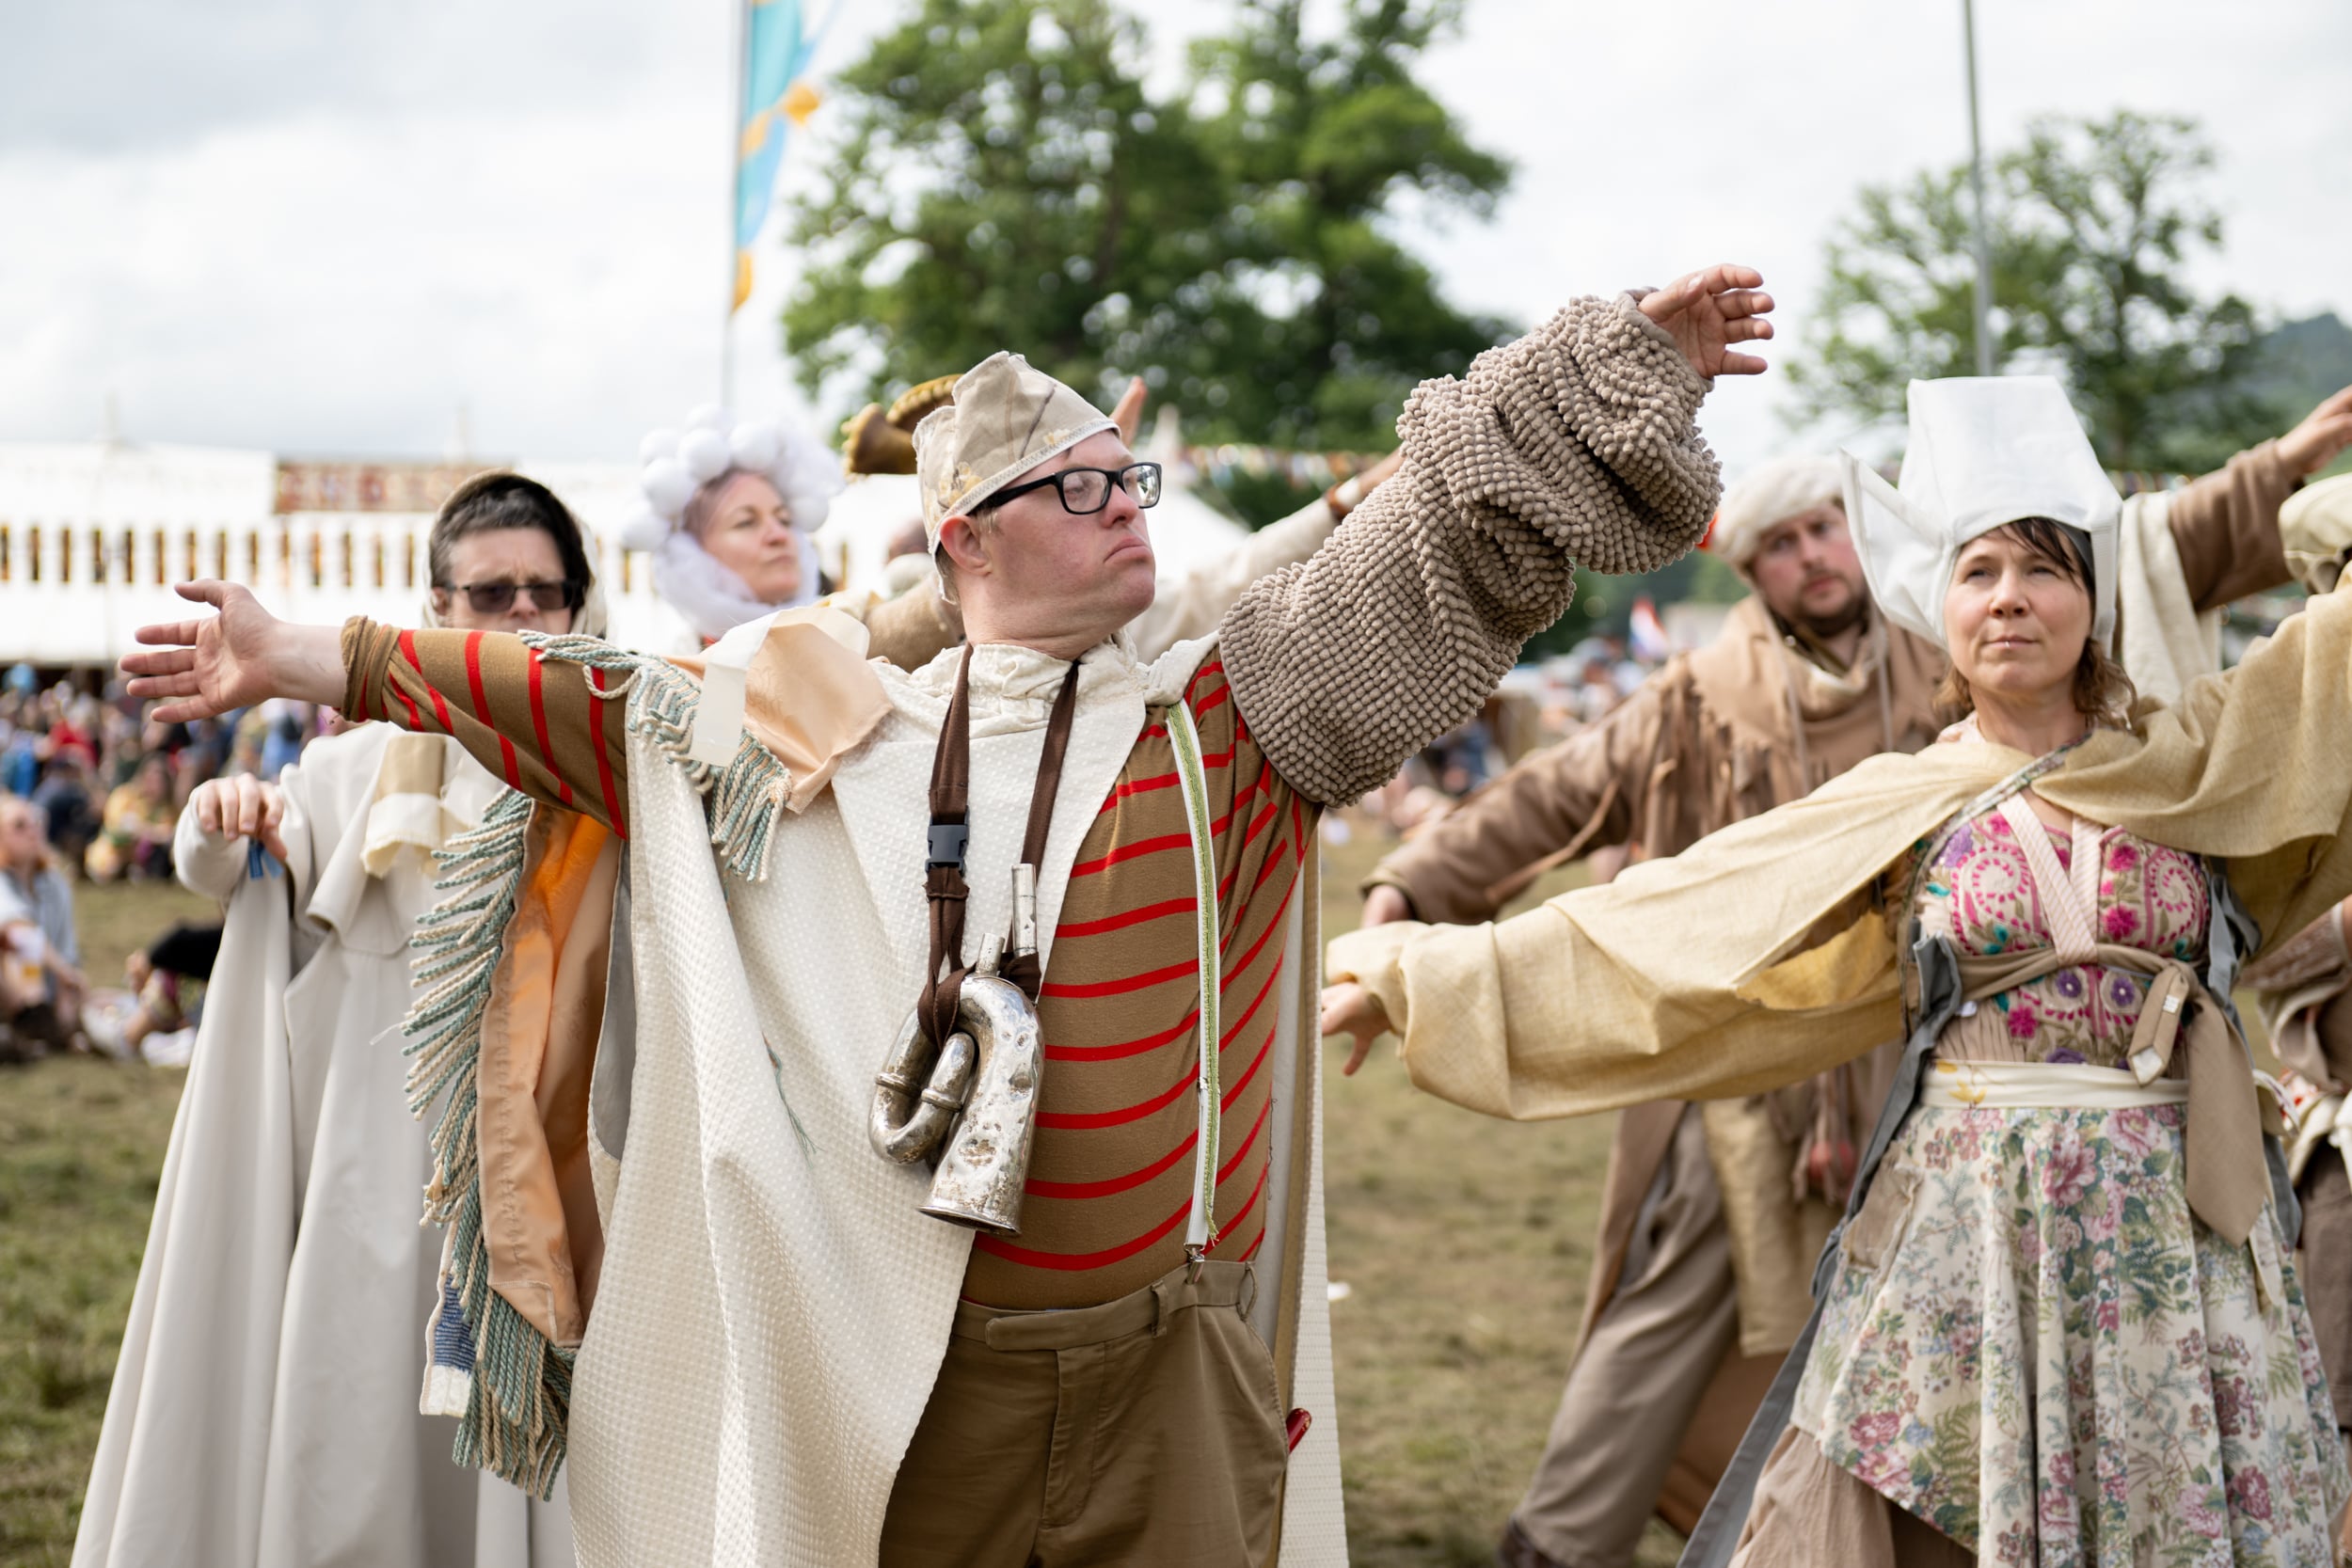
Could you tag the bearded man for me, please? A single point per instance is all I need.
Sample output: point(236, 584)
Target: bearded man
point(761, 1350)
point(1713, 1215)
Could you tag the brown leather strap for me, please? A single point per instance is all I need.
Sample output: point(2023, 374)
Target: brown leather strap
point(1027, 970)
point(943, 870)
point(944, 883)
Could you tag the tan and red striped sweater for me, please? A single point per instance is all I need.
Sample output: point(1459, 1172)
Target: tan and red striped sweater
point(1576, 444)
point(1111, 1175)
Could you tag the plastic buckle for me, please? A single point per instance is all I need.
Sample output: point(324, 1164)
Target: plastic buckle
point(948, 839)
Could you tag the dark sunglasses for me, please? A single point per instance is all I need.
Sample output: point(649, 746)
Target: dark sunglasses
point(497, 598)
point(1086, 491)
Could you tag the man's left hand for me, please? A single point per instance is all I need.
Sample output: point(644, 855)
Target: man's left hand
point(1709, 311)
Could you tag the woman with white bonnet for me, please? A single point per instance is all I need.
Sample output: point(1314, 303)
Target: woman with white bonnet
point(2060, 1321)
point(266, 1409)
point(731, 513)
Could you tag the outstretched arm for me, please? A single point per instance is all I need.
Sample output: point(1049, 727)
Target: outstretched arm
point(1573, 447)
point(2225, 525)
point(538, 724)
point(1581, 793)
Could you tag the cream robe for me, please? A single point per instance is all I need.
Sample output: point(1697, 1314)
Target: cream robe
point(772, 1309)
point(264, 1407)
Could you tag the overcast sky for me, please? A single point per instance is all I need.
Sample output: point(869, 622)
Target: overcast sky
point(323, 228)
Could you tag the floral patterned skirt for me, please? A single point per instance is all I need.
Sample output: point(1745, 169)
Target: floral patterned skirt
point(2031, 1344)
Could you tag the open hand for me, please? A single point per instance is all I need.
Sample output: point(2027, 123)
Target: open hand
point(241, 807)
point(234, 659)
point(1348, 1008)
point(1709, 311)
point(2325, 430)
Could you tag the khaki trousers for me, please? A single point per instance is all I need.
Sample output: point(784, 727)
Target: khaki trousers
point(1640, 1371)
point(1144, 1431)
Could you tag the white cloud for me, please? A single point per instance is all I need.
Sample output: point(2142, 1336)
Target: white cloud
point(301, 231)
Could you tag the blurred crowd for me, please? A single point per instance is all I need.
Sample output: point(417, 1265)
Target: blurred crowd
point(90, 791)
point(1536, 706)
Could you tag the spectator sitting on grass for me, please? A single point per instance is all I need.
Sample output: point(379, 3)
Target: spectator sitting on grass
point(135, 840)
point(63, 799)
point(40, 985)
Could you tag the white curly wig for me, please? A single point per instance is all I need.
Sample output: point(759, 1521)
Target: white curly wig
point(679, 464)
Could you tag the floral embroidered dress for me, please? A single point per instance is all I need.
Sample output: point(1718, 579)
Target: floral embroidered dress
point(2029, 1343)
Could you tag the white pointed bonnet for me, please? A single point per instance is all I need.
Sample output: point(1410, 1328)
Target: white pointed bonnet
point(1984, 450)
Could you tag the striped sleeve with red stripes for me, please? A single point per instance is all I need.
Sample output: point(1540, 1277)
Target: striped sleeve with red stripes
point(537, 723)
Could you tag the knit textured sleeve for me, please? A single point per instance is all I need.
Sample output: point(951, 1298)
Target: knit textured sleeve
point(545, 726)
point(1575, 446)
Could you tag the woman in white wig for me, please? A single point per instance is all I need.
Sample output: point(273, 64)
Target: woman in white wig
point(265, 1408)
point(731, 511)
point(2059, 1323)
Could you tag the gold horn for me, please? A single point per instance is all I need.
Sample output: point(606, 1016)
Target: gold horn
point(871, 444)
point(977, 1101)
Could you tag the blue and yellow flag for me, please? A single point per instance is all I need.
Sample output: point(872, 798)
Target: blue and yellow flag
point(776, 49)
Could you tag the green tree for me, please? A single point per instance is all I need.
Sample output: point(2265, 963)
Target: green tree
point(2092, 226)
point(1005, 177)
point(1002, 171)
point(1329, 323)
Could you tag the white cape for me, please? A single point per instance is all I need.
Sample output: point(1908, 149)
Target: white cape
point(265, 1408)
point(771, 1308)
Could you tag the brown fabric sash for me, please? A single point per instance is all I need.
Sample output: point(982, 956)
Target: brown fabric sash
point(2228, 1180)
point(942, 876)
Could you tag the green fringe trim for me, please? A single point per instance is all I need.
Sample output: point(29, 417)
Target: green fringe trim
point(519, 1404)
point(743, 800)
point(518, 1408)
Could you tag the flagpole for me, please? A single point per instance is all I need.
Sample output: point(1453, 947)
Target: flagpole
point(735, 180)
point(1983, 293)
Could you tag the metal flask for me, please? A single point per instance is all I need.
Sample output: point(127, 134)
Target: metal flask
point(973, 1106)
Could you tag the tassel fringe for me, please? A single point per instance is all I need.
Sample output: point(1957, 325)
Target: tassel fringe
point(519, 1398)
point(743, 800)
point(518, 1403)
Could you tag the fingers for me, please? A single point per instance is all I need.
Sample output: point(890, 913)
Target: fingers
point(1355, 1056)
point(168, 634)
point(1741, 364)
point(1743, 302)
point(170, 661)
point(1748, 329)
point(181, 684)
point(1720, 278)
point(249, 803)
point(1128, 416)
point(270, 813)
point(184, 712)
point(207, 804)
point(209, 590)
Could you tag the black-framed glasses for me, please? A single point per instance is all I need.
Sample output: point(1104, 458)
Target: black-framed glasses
point(497, 598)
point(1086, 491)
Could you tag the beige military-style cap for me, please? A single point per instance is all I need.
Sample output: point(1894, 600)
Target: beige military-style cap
point(1005, 420)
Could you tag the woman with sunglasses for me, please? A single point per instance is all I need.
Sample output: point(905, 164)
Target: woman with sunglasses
point(266, 1408)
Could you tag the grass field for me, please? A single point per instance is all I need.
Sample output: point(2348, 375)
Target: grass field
point(1465, 1243)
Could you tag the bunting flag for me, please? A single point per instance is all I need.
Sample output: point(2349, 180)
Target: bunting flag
point(777, 45)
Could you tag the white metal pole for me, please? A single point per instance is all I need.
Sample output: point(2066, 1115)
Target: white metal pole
point(1975, 180)
point(740, 65)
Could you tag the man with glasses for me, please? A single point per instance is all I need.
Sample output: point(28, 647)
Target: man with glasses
point(788, 1361)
